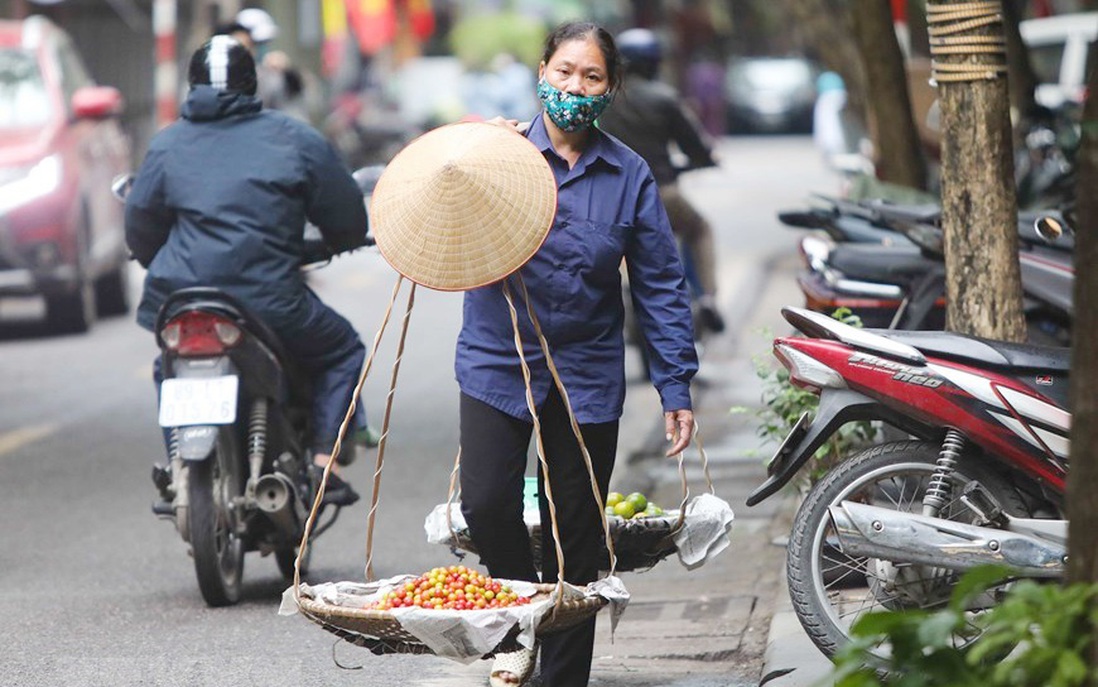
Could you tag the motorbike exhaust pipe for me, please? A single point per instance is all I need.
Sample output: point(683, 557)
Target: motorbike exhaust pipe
point(276, 499)
point(899, 537)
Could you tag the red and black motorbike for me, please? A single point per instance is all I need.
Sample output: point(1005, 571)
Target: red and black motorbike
point(980, 478)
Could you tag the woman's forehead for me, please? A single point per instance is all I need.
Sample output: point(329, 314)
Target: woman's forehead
point(582, 51)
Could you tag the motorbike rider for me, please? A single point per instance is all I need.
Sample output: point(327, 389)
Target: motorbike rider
point(648, 116)
point(221, 200)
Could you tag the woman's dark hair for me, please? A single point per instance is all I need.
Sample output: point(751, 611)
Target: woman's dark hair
point(580, 30)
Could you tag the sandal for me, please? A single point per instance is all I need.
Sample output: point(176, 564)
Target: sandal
point(513, 668)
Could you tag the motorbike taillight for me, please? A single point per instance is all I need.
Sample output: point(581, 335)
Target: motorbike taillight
point(806, 371)
point(200, 333)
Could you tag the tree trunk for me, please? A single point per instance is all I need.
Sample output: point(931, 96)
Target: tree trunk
point(1022, 80)
point(827, 26)
point(1082, 491)
point(979, 208)
point(916, 28)
point(1082, 486)
point(899, 155)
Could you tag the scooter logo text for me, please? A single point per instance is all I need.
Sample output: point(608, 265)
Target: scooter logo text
point(902, 373)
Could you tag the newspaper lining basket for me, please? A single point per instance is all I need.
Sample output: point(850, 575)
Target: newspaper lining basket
point(381, 632)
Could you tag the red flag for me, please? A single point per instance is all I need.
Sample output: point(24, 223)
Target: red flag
point(421, 18)
point(373, 23)
point(899, 11)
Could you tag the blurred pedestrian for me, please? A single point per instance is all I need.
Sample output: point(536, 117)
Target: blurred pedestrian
point(608, 209)
point(828, 132)
point(705, 86)
point(649, 117)
point(280, 85)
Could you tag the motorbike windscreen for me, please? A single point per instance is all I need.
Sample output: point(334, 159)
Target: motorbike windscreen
point(24, 100)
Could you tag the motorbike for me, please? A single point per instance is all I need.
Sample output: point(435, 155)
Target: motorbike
point(978, 476)
point(886, 264)
point(236, 416)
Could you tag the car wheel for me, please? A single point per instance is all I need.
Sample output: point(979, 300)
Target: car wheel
point(74, 312)
point(112, 292)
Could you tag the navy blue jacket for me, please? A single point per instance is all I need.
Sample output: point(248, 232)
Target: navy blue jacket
point(221, 200)
point(608, 209)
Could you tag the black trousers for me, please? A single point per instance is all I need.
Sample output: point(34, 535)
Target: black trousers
point(494, 449)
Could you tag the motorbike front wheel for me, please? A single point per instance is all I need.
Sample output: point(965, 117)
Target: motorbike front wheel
point(212, 487)
point(830, 590)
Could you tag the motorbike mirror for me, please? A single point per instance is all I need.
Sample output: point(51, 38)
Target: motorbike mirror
point(121, 185)
point(366, 177)
point(926, 236)
point(1048, 228)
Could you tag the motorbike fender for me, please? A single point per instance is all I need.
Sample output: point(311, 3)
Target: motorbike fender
point(837, 407)
point(197, 442)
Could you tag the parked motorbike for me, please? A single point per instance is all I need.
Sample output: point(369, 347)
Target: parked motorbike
point(1045, 172)
point(886, 264)
point(980, 480)
point(236, 415)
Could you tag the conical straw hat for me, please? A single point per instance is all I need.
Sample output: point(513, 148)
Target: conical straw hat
point(463, 206)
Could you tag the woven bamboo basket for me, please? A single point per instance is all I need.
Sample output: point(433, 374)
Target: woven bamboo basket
point(381, 631)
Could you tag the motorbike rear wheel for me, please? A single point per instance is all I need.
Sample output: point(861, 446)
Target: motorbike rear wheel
point(212, 487)
point(831, 590)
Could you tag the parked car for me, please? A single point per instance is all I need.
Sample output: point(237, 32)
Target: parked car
point(770, 94)
point(61, 144)
point(1058, 48)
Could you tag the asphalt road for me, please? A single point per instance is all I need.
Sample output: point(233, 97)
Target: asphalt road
point(94, 590)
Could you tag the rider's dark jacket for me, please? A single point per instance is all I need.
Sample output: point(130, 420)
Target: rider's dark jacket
point(647, 116)
point(221, 200)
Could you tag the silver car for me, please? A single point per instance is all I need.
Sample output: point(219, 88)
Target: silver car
point(770, 94)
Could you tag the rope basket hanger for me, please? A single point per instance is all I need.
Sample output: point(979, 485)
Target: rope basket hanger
point(395, 219)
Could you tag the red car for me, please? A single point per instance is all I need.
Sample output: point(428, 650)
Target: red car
point(61, 144)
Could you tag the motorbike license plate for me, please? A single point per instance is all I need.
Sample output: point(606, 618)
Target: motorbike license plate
point(198, 401)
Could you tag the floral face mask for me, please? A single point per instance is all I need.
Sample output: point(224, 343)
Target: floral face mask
point(571, 112)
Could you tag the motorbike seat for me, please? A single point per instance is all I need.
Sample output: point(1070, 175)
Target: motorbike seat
point(953, 346)
point(925, 213)
point(897, 264)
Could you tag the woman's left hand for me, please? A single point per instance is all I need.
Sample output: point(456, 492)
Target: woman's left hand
point(680, 429)
point(513, 124)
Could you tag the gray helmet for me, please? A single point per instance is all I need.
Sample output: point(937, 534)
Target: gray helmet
point(225, 64)
point(639, 45)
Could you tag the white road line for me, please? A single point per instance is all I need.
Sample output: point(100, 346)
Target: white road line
point(10, 441)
